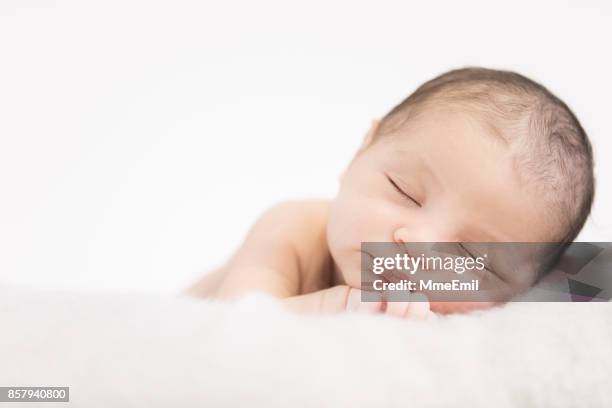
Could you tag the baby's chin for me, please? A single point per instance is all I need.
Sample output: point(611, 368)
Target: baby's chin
point(460, 307)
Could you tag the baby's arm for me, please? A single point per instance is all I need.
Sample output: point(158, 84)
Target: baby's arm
point(271, 258)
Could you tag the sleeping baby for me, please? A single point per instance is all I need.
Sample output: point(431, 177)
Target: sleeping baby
point(473, 155)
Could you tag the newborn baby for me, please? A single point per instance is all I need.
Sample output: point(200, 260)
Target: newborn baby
point(473, 155)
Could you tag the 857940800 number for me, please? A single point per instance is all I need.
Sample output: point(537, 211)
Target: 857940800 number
point(37, 394)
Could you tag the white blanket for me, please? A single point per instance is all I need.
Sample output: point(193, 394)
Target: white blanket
point(137, 351)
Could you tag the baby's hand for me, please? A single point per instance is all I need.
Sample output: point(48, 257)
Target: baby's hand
point(343, 298)
point(417, 308)
point(336, 299)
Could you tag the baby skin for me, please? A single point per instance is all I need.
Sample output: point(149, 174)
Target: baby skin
point(442, 178)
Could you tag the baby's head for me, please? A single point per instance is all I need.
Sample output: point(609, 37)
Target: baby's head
point(474, 155)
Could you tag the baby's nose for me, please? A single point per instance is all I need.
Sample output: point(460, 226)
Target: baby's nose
point(405, 235)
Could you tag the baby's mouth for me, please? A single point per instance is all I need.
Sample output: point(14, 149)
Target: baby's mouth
point(393, 275)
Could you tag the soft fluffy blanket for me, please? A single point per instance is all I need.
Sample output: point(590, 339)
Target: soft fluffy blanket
point(137, 351)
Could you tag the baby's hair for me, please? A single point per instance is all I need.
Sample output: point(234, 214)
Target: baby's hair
point(553, 152)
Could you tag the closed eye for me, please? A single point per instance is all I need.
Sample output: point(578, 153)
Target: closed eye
point(467, 251)
point(402, 192)
point(487, 268)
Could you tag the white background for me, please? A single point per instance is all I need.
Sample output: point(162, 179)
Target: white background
point(139, 140)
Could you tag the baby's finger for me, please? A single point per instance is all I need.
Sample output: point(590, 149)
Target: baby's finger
point(397, 309)
point(355, 304)
point(418, 308)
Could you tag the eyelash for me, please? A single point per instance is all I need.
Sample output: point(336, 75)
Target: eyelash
point(466, 250)
point(399, 190)
point(474, 257)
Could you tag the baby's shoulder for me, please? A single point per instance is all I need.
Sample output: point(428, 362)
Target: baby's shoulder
point(300, 220)
point(302, 209)
point(304, 224)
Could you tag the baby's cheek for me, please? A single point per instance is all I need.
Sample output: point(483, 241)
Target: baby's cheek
point(352, 275)
point(348, 221)
point(355, 217)
point(345, 248)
